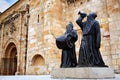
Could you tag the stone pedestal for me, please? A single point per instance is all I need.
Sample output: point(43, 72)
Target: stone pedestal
point(83, 73)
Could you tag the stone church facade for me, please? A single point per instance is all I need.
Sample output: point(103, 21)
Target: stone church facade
point(29, 27)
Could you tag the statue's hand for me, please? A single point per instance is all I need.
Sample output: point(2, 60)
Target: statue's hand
point(82, 14)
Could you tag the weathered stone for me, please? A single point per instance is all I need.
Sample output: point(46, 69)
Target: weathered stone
point(83, 73)
point(114, 61)
point(115, 56)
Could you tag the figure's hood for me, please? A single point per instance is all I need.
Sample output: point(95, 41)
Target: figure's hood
point(70, 27)
point(91, 16)
point(89, 23)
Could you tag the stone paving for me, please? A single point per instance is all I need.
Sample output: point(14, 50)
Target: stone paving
point(45, 77)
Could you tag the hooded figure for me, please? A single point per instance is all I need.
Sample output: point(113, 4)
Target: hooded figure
point(69, 55)
point(89, 54)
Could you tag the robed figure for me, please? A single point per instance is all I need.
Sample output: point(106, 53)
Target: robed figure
point(67, 44)
point(89, 54)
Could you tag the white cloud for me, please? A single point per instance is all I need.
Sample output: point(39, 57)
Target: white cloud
point(3, 5)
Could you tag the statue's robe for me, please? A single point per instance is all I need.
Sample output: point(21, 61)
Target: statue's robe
point(68, 58)
point(89, 54)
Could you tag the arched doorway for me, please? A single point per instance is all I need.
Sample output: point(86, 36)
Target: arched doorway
point(9, 61)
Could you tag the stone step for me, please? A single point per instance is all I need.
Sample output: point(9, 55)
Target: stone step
point(83, 73)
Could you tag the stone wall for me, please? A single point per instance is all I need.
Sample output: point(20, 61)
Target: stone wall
point(35, 36)
point(41, 35)
point(36, 30)
point(113, 8)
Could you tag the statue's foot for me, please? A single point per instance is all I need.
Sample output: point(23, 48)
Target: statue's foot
point(105, 66)
point(81, 66)
point(100, 66)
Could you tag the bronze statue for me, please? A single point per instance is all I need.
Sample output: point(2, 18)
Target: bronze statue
point(67, 44)
point(89, 54)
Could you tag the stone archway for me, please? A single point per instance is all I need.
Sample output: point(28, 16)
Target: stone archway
point(38, 60)
point(38, 66)
point(9, 61)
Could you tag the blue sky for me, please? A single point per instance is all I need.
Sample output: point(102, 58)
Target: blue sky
point(4, 4)
point(11, 1)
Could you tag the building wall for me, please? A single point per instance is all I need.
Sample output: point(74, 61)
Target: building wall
point(113, 8)
point(42, 21)
point(40, 38)
point(13, 30)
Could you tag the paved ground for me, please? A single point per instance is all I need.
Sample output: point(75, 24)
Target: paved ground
point(46, 77)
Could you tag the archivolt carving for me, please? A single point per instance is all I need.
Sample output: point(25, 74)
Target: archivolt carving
point(12, 28)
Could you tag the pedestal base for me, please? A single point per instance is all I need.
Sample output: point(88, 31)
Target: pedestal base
point(83, 73)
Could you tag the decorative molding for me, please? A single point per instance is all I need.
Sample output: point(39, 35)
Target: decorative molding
point(73, 1)
point(70, 1)
point(11, 18)
point(25, 8)
point(15, 14)
point(12, 28)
